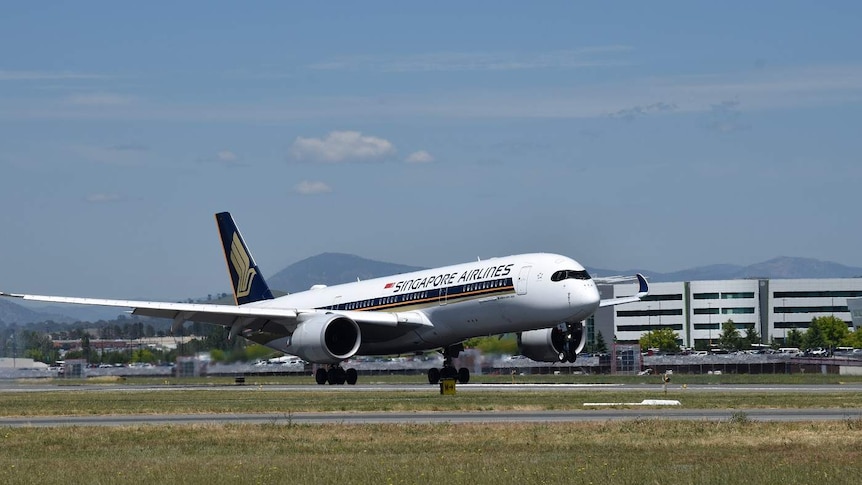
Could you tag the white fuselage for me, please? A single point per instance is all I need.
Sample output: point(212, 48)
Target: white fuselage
point(494, 296)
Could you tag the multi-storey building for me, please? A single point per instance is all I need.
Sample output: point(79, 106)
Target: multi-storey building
point(697, 309)
point(855, 307)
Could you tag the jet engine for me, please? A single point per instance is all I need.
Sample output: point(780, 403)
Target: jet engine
point(556, 344)
point(325, 339)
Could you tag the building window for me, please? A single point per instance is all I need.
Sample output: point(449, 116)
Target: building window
point(646, 328)
point(737, 295)
point(817, 294)
point(737, 311)
point(662, 298)
point(649, 313)
point(810, 309)
point(706, 311)
point(705, 296)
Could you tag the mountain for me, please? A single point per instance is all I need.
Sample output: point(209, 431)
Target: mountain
point(14, 313)
point(785, 267)
point(778, 268)
point(332, 269)
point(336, 268)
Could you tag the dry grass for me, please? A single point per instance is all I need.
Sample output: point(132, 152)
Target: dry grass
point(640, 451)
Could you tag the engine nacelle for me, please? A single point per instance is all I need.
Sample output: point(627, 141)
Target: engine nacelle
point(325, 339)
point(562, 343)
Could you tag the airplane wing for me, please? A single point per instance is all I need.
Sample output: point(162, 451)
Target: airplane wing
point(255, 316)
point(643, 290)
point(240, 319)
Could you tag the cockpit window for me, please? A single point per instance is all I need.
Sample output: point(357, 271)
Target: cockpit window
point(570, 273)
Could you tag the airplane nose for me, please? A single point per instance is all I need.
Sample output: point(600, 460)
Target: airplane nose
point(594, 296)
point(586, 297)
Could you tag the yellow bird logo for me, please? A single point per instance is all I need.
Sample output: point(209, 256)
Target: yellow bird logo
point(242, 265)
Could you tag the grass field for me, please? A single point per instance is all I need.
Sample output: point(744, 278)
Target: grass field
point(631, 452)
point(635, 451)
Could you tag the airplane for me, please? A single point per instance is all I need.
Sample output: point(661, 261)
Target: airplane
point(543, 298)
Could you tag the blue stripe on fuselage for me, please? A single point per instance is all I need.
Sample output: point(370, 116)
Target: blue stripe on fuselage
point(450, 294)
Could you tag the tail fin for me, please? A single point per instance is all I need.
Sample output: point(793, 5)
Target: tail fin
point(247, 281)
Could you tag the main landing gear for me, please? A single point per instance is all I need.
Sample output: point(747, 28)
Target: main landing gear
point(448, 371)
point(335, 374)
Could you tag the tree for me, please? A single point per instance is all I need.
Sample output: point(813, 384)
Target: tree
point(497, 345)
point(85, 346)
point(751, 337)
point(853, 339)
point(144, 356)
point(826, 332)
point(600, 346)
point(664, 339)
point(38, 346)
point(729, 338)
point(793, 338)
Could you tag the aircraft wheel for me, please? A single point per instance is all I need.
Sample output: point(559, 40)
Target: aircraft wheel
point(449, 373)
point(340, 376)
point(320, 376)
point(332, 376)
point(463, 375)
point(433, 375)
point(351, 376)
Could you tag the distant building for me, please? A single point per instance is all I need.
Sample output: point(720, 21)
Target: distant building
point(696, 309)
point(855, 307)
point(21, 363)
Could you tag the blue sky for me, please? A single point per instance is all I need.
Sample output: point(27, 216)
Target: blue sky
point(626, 135)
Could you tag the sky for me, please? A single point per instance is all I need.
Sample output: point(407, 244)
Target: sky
point(656, 135)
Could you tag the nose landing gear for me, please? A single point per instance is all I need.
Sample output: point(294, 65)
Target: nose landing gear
point(572, 333)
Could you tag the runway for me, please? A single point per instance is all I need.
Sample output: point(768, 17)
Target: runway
point(780, 415)
point(13, 386)
point(425, 417)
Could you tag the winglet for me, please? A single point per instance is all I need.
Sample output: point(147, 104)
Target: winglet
point(643, 286)
point(246, 279)
point(643, 290)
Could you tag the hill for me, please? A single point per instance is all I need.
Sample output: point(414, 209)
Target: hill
point(778, 268)
point(332, 269)
point(337, 268)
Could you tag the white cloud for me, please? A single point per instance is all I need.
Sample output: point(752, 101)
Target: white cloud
point(818, 85)
point(227, 156)
point(129, 147)
point(638, 111)
point(119, 155)
point(341, 146)
point(312, 188)
point(419, 157)
point(99, 99)
point(46, 76)
point(102, 198)
point(481, 61)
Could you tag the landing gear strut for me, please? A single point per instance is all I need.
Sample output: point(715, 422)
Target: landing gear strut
point(449, 371)
point(335, 375)
point(571, 339)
